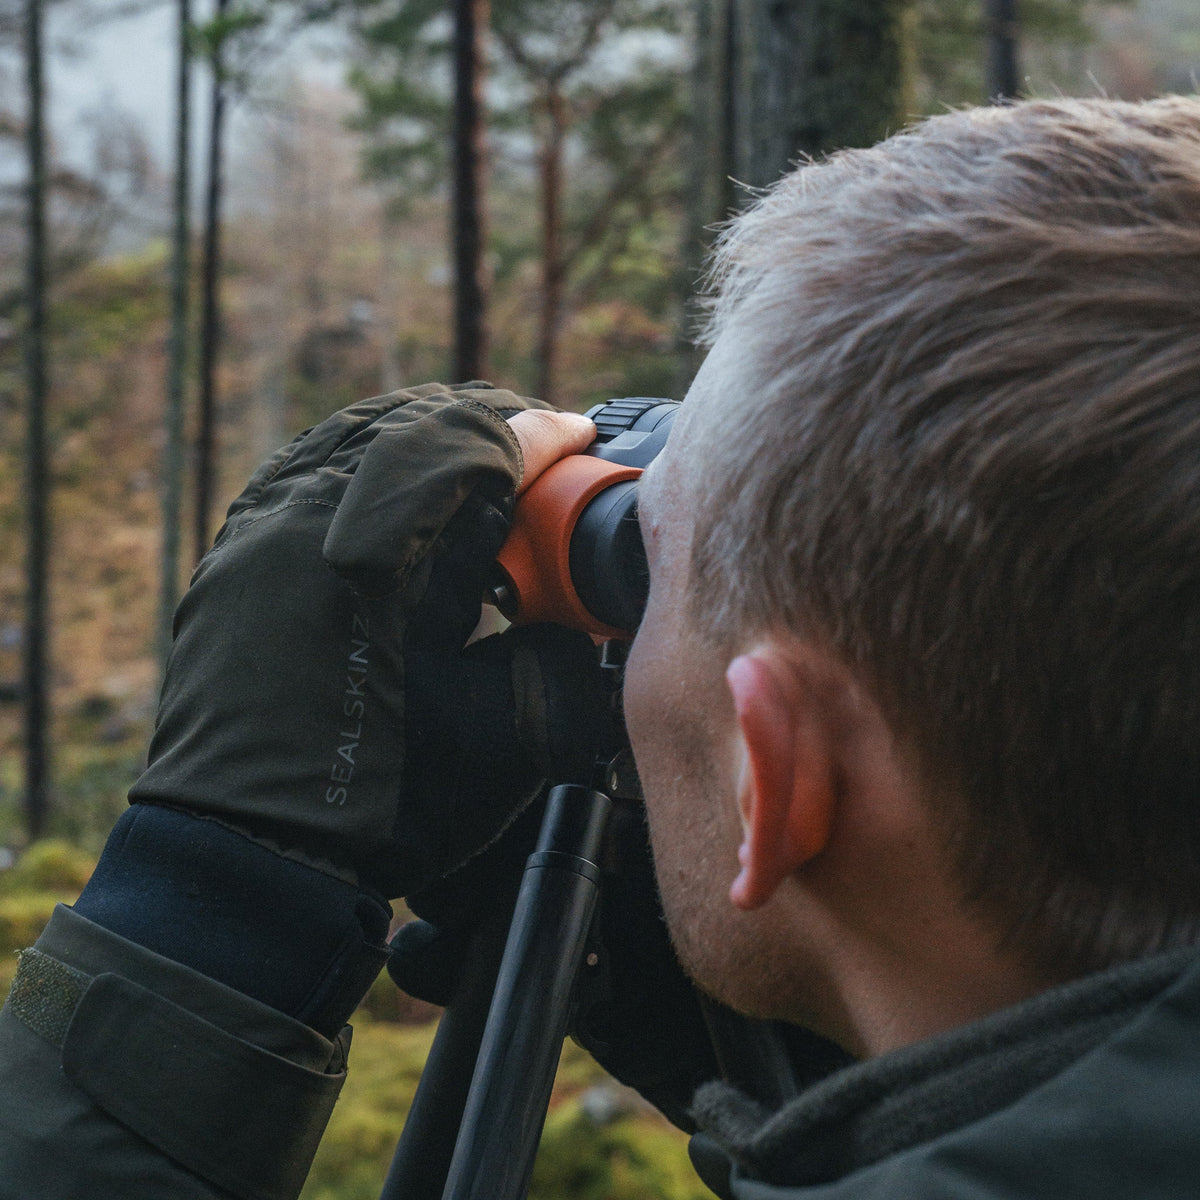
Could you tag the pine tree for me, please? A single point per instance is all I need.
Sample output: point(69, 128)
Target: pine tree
point(172, 482)
point(584, 81)
point(37, 481)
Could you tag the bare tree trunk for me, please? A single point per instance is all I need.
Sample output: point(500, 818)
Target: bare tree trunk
point(172, 481)
point(471, 18)
point(36, 474)
point(813, 76)
point(211, 320)
point(551, 178)
point(711, 193)
point(1002, 30)
point(776, 81)
point(725, 67)
point(271, 415)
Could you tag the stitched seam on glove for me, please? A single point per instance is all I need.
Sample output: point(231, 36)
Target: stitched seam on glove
point(495, 417)
point(243, 525)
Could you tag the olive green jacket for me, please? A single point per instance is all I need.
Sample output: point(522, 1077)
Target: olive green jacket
point(125, 1076)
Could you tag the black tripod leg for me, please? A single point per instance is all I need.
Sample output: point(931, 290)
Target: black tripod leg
point(423, 1154)
point(521, 1046)
point(476, 1119)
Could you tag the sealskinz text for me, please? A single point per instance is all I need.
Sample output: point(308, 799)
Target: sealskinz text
point(354, 706)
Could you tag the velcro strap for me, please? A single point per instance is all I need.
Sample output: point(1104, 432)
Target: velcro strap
point(236, 1115)
point(45, 994)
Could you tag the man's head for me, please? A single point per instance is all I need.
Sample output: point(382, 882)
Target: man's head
point(949, 434)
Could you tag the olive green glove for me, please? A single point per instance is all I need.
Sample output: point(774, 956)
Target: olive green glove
point(319, 697)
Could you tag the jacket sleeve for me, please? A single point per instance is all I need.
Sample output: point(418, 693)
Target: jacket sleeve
point(126, 1075)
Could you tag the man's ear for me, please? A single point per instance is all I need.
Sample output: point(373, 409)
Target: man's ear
point(786, 788)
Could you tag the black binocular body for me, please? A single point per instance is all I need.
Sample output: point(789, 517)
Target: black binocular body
point(575, 554)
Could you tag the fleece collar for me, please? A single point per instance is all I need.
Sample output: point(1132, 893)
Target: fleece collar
point(874, 1109)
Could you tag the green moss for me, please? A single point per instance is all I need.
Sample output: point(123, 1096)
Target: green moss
point(8, 972)
point(628, 1153)
point(52, 865)
point(632, 1157)
point(23, 915)
point(50, 872)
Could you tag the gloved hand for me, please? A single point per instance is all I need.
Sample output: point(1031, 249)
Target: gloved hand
point(319, 698)
point(324, 740)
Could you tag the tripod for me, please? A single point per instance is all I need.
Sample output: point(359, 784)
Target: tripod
point(477, 1117)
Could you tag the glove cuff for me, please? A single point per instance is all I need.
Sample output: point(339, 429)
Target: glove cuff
point(202, 895)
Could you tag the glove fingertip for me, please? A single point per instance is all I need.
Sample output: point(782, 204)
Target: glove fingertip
point(424, 962)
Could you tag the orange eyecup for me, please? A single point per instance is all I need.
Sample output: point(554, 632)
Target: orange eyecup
point(535, 558)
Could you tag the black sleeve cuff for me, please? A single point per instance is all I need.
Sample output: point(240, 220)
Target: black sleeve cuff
point(196, 892)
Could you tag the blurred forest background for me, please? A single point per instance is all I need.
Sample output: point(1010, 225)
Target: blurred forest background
point(358, 195)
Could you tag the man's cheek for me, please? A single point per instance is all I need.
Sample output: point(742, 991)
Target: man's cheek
point(634, 685)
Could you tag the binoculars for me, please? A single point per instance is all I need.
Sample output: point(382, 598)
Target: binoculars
point(574, 555)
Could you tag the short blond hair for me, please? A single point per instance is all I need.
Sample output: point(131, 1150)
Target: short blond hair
point(966, 456)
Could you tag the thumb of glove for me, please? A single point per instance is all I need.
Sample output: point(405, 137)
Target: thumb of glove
point(425, 960)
